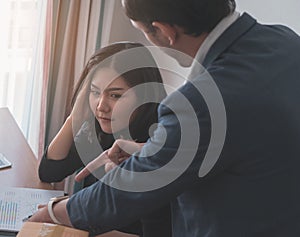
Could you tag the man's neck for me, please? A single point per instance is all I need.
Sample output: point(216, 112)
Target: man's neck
point(191, 44)
point(188, 45)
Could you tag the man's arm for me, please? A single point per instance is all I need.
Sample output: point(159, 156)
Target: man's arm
point(146, 182)
point(164, 169)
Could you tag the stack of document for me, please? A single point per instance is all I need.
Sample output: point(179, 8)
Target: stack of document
point(18, 203)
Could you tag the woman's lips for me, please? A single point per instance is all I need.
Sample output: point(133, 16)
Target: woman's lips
point(104, 119)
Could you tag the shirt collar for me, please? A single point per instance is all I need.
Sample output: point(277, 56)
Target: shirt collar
point(211, 39)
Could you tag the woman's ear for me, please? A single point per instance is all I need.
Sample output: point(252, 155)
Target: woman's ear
point(166, 30)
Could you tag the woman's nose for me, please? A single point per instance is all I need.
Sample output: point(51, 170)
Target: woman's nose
point(103, 105)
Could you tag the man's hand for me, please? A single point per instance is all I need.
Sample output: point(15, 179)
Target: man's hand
point(102, 159)
point(120, 151)
point(59, 210)
point(42, 215)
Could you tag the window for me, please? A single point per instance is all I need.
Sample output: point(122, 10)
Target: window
point(21, 55)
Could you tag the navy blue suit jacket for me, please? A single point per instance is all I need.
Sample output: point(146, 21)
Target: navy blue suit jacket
point(253, 189)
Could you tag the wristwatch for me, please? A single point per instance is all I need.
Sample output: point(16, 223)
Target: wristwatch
point(50, 207)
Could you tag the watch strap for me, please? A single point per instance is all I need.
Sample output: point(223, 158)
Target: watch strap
point(50, 208)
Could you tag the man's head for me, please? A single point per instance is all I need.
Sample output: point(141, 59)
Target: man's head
point(194, 16)
point(177, 24)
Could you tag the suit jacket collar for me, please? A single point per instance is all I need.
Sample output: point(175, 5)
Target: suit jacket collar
point(235, 31)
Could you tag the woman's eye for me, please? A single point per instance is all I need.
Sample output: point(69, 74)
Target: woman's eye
point(116, 96)
point(95, 93)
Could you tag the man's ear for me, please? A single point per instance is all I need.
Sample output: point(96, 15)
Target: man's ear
point(167, 31)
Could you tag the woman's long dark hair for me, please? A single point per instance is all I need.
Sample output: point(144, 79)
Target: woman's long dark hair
point(146, 114)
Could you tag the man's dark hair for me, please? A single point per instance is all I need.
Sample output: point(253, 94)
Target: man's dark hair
point(195, 16)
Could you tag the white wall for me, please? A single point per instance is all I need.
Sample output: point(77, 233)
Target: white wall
point(121, 29)
point(285, 12)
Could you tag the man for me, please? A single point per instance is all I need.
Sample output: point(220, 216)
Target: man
point(252, 189)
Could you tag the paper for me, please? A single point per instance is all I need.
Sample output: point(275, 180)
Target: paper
point(19, 203)
point(32, 229)
point(4, 163)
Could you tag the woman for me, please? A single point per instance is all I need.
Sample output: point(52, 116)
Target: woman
point(106, 107)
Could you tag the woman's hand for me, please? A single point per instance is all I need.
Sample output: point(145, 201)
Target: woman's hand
point(61, 144)
point(120, 151)
point(81, 111)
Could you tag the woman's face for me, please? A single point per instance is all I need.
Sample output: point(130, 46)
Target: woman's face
point(107, 98)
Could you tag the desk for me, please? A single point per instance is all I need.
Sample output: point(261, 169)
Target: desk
point(14, 146)
point(24, 163)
